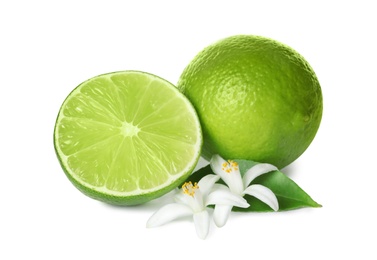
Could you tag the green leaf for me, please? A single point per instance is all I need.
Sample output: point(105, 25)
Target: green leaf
point(290, 196)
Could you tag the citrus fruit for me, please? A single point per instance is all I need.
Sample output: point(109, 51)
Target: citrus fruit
point(257, 99)
point(127, 137)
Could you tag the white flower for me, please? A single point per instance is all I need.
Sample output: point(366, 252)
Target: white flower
point(193, 199)
point(230, 174)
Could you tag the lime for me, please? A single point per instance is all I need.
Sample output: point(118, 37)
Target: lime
point(256, 98)
point(127, 137)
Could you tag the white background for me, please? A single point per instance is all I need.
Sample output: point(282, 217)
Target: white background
point(49, 47)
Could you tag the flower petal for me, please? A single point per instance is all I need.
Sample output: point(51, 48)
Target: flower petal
point(226, 197)
point(216, 163)
point(206, 183)
point(219, 186)
point(232, 179)
point(264, 194)
point(168, 213)
point(221, 214)
point(256, 171)
point(194, 202)
point(201, 221)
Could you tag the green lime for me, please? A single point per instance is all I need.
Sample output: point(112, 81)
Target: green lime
point(127, 137)
point(256, 98)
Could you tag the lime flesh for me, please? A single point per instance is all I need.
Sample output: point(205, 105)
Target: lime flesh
point(127, 137)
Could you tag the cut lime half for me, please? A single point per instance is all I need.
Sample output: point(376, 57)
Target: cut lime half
point(127, 137)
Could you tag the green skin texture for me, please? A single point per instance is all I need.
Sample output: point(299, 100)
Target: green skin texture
point(271, 115)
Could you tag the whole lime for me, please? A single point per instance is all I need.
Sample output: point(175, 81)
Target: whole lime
point(256, 98)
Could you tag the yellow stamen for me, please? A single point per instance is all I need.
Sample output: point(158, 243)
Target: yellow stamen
point(189, 189)
point(229, 166)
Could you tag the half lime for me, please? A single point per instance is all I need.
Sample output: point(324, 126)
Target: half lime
point(127, 137)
